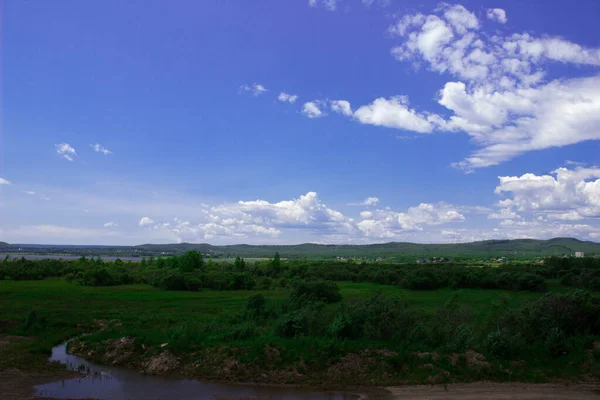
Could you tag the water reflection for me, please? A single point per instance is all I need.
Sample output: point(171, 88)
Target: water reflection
point(104, 383)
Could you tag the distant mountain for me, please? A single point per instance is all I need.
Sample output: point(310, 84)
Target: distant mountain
point(489, 248)
point(520, 247)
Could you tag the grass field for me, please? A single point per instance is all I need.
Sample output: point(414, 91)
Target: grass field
point(191, 320)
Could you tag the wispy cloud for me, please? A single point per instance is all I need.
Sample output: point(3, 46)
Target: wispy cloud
point(369, 201)
point(4, 182)
point(100, 149)
point(256, 89)
point(65, 151)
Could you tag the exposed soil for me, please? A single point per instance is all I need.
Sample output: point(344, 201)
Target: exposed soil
point(497, 391)
point(16, 384)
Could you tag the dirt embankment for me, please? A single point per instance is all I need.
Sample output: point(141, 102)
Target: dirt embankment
point(17, 384)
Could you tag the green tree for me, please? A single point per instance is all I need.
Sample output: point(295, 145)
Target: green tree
point(240, 264)
point(276, 263)
point(191, 261)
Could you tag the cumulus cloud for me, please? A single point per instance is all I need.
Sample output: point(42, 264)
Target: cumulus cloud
point(394, 113)
point(311, 109)
point(256, 89)
point(65, 151)
point(497, 14)
point(390, 224)
point(366, 214)
point(286, 97)
point(100, 149)
point(145, 221)
point(341, 107)
point(565, 194)
point(4, 182)
point(111, 224)
point(260, 217)
point(500, 98)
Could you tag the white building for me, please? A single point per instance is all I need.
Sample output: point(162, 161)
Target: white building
point(579, 254)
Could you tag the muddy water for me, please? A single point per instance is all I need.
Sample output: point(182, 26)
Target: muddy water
point(104, 382)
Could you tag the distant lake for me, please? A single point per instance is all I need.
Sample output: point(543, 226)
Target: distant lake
point(55, 257)
point(111, 258)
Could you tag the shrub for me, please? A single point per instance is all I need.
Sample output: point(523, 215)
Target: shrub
point(594, 285)
point(499, 342)
point(422, 279)
point(256, 304)
point(304, 292)
point(556, 342)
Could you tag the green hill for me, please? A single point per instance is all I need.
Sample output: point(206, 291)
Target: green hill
point(519, 247)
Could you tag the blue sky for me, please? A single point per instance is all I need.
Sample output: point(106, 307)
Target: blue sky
point(322, 121)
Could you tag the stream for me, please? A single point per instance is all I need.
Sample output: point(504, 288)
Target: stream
point(113, 383)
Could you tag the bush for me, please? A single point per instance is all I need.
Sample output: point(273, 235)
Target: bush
point(594, 285)
point(499, 342)
point(256, 305)
point(422, 279)
point(556, 342)
point(292, 324)
point(380, 317)
point(304, 292)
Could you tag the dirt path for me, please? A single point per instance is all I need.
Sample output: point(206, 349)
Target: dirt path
point(497, 391)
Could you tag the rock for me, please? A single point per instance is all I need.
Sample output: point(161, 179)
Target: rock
point(162, 364)
point(164, 345)
point(385, 353)
point(119, 351)
point(476, 360)
point(271, 353)
point(433, 356)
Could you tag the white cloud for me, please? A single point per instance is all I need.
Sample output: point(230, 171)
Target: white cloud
point(330, 5)
point(369, 201)
point(311, 109)
point(65, 151)
point(259, 217)
point(111, 224)
point(4, 182)
point(390, 224)
point(497, 14)
point(145, 221)
point(256, 89)
point(564, 195)
point(501, 98)
point(286, 97)
point(29, 192)
point(366, 214)
point(341, 107)
point(44, 197)
point(504, 213)
point(394, 113)
point(100, 149)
